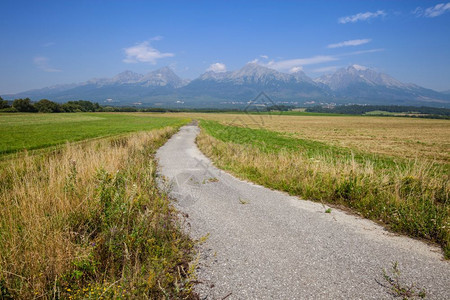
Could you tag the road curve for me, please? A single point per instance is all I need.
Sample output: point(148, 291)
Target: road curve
point(265, 244)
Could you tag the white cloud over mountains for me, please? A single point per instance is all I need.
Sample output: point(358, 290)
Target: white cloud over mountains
point(361, 17)
point(290, 63)
point(363, 52)
point(296, 69)
point(144, 52)
point(349, 43)
point(217, 68)
point(43, 63)
point(296, 64)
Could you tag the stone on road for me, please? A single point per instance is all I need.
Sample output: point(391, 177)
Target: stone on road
point(265, 244)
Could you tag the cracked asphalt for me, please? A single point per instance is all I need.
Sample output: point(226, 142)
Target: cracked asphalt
point(265, 244)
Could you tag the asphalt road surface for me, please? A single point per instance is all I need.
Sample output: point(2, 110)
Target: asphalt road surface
point(265, 244)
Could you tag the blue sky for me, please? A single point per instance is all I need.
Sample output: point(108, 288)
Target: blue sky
point(53, 42)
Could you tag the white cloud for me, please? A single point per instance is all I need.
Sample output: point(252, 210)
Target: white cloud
point(295, 69)
point(257, 60)
point(361, 17)
point(217, 68)
point(297, 64)
point(363, 52)
point(349, 43)
point(433, 11)
point(156, 38)
point(289, 64)
point(43, 63)
point(49, 44)
point(144, 52)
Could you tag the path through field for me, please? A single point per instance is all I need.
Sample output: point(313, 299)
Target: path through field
point(264, 244)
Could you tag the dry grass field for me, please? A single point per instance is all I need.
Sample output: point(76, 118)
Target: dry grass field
point(76, 219)
point(391, 170)
point(86, 221)
point(394, 136)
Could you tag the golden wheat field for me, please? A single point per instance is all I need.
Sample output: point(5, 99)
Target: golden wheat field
point(391, 170)
point(394, 136)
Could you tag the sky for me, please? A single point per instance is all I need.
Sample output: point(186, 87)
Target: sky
point(44, 43)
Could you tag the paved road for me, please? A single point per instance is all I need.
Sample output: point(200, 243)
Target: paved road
point(265, 244)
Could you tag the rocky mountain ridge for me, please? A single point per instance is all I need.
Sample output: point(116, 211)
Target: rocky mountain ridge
point(354, 84)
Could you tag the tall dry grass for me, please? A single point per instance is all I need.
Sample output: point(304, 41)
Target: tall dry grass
point(410, 198)
point(87, 221)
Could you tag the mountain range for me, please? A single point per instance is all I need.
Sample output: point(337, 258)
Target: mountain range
point(354, 84)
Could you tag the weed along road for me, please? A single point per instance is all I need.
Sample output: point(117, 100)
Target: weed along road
point(263, 244)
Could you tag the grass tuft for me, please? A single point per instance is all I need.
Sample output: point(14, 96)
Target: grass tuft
point(398, 288)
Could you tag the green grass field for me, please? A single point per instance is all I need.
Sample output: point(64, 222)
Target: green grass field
point(273, 142)
point(35, 131)
point(380, 113)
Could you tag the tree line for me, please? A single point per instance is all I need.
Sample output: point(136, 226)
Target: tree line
point(47, 106)
point(363, 109)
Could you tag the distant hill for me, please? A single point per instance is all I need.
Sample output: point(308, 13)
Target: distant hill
point(354, 84)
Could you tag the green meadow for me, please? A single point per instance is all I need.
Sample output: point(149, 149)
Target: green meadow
point(35, 131)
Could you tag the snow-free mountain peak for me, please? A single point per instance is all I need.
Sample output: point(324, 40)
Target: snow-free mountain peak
point(356, 74)
point(250, 73)
point(300, 76)
point(126, 77)
point(162, 77)
point(211, 75)
point(253, 69)
point(255, 73)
